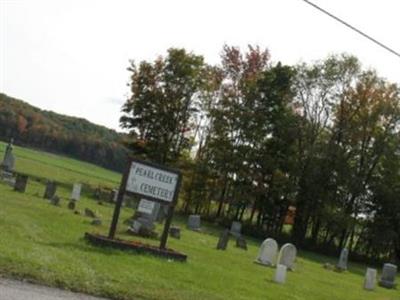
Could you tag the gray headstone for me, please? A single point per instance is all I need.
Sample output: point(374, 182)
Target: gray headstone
point(268, 252)
point(175, 232)
point(223, 240)
point(20, 183)
point(342, 263)
point(71, 204)
point(194, 222)
point(287, 256)
point(7, 177)
point(236, 228)
point(8, 160)
point(55, 200)
point(51, 188)
point(96, 222)
point(89, 213)
point(388, 277)
point(370, 279)
point(76, 191)
point(136, 226)
point(241, 243)
point(113, 196)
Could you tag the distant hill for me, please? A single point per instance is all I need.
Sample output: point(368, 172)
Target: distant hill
point(46, 130)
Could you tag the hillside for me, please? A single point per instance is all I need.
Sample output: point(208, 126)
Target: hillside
point(46, 130)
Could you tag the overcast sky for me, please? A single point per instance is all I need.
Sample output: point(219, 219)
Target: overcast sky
point(71, 56)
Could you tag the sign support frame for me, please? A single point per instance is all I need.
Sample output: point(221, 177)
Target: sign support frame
point(122, 190)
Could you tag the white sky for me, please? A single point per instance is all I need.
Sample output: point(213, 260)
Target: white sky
point(71, 56)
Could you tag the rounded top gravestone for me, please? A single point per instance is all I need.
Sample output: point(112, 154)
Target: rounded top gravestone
point(287, 256)
point(268, 252)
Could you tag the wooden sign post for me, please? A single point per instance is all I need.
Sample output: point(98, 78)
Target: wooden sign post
point(154, 182)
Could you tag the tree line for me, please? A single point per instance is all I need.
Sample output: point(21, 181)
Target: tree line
point(31, 126)
point(255, 137)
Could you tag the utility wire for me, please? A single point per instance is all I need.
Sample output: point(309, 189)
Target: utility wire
point(353, 28)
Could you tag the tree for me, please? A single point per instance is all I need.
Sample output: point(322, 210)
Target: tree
point(164, 98)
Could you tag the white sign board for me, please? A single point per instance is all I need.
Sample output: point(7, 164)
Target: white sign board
point(146, 206)
point(152, 182)
point(76, 191)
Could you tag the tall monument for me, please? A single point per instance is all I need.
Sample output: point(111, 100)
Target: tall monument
point(8, 160)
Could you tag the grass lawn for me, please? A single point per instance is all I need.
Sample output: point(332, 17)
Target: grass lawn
point(45, 243)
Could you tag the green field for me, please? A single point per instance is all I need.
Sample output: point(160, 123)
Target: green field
point(44, 243)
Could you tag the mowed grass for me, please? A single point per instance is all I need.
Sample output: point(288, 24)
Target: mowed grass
point(45, 244)
point(60, 168)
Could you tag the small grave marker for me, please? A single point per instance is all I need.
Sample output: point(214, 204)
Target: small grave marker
point(194, 222)
point(76, 191)
point(20, 183)
point(280, 274)
point(342, 263)
point(388, 277)
point(51, 188)
point(236, 228)
point(223, 240)
point(241, 243)
point(370, 279)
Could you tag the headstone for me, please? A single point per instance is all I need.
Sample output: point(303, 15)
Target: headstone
point(162, 213)
point(241, 243)
point(280, 274)
point(194, 222)
point(51, 188)
point(146, 223)
point(55, 200)
point(236, 228)
point(175, 232)
point(20, 183)
point(89, 213)
point(342, 263)
point(7, 177)
point(287, 256)
point(136, 226)
point(370, 279)
point(268, 252)
point(71, 204)
point(388, 277)
point(149, 209)
point(96, 222)
point(223, 240)
point(113, 196)
point(8, 159)
point(146, 214)
point(76, 191)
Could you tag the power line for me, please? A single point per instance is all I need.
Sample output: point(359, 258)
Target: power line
point(353, 28)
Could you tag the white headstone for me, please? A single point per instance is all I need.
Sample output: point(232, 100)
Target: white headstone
point(287, 256)
point(146, 206)
point(370, 279)
point(236, 228)
point(280, 274)
point(268, 252)
point(76, 191)
point(342, 263)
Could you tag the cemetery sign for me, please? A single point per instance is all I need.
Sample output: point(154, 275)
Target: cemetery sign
point(150, 181)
